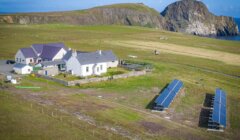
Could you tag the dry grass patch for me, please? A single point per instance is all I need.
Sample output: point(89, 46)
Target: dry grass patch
point(225, 57)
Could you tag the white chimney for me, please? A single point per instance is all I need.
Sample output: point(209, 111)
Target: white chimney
point(74, 53)
point(100, 52)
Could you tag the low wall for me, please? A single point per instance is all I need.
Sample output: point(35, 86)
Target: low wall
point(54, 79)
point(97, 79)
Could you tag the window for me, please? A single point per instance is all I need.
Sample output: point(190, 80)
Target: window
point(29, 70)
point(30, 60)
point(97, 69)
point(101, 67)
point(87, 69)
point(17, 59)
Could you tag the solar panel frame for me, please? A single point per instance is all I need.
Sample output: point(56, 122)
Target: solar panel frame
point(166, 97)
point(176, 86)
point(219, 108)
point(170, 92)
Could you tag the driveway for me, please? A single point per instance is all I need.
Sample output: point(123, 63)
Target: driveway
point(5, 68)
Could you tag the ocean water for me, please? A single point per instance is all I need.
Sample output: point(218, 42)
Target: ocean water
point(233, 38)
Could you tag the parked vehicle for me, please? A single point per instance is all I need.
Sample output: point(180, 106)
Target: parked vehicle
point(10, 62)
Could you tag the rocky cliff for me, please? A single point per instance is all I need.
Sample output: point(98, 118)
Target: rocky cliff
point(121, 14)
point(189, 16)
point(193, 17)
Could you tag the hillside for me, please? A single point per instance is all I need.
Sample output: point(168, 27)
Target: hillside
point(120, 14)
point(120, 109)
point(188, 16)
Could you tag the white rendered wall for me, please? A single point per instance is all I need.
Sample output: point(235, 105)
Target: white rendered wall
point(112, 64)
point(74, 66)
point(60, 54)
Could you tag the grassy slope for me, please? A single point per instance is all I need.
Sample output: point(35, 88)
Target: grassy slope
point(132, 6)
point(21, 121)
point(137, 92)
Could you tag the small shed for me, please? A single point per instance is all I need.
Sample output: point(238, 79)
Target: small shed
point(22, 68)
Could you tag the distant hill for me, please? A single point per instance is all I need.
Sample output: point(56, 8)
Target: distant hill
point(188, 16)
point(120, 14)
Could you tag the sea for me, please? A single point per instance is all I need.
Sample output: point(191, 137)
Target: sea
point(233, 38)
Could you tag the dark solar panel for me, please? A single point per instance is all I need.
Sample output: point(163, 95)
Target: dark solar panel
point(166, 97)
point(219, 108)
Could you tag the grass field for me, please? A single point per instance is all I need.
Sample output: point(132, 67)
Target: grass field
point(203, 64)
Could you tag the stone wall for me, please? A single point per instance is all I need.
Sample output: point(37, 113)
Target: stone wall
point(97, 79)
point(54, 79)
point(93, 80)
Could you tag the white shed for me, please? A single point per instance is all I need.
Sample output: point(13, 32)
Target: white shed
point(22, 68)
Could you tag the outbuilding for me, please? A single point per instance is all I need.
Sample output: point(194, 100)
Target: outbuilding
point(22, 68)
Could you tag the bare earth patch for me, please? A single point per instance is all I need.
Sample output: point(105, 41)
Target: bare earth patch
point(152, 127)
point(225, 57)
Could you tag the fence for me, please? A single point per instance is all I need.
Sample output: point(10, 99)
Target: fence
point(93, 80)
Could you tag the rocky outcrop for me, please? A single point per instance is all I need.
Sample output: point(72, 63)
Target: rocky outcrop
point(188, 16)
point(193, 17)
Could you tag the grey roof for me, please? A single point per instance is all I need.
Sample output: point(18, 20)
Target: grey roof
point(69, 54)
point(38, 48)
point(48, 51)
point(96, 57)
point(28, 53)
point(52, 63)
point(18, 65)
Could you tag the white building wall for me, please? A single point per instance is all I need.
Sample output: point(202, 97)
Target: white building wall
point(87, 70)
point(25, 70)
point(99, 68)
point(112, 64)
point(73, 66)
point(20, 58)
point(60, 54)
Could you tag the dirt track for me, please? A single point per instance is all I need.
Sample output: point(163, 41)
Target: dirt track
point(225, 57)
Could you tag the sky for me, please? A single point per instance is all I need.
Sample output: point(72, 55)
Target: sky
point(218, 7)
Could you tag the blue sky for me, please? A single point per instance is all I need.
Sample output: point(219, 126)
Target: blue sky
point(218, 7)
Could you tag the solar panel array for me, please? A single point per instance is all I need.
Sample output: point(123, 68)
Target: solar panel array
point(218, 116)
point(164, 100)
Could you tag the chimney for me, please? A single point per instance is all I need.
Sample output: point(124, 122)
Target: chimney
point(74, 53)
point(100, 52)
point(69, 49)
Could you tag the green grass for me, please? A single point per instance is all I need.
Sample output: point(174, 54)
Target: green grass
point(121, 115)
point(21, 121)
point(135, 7)
point(67, 77)
point(135, 92)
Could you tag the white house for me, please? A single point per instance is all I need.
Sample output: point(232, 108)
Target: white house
point(25, 56)
point(22, 68)
point(40, 52)
point(89, 63)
